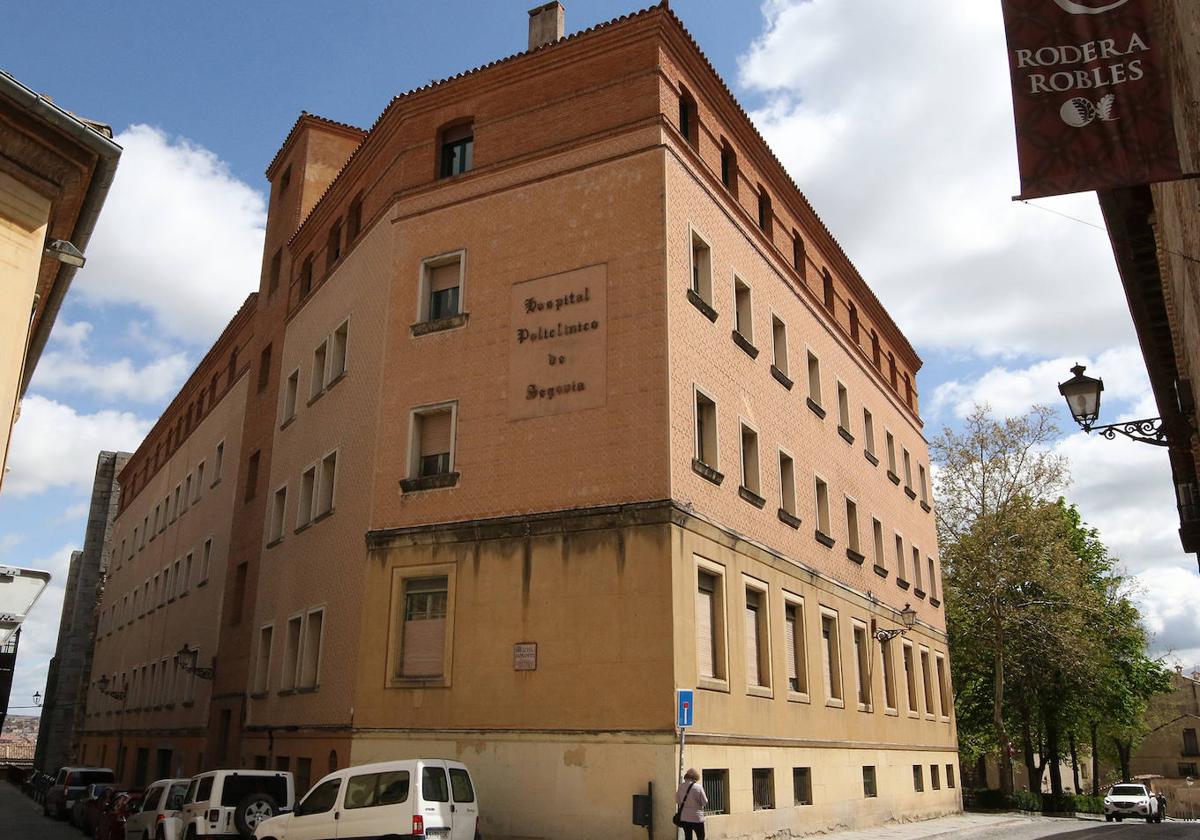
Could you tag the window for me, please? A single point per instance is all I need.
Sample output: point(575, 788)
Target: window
point(729, 168)
point(944, 692)
point(238, 601)
point(175, 502)
point(262, 668)
point(285, 179)
point(827, 290)
point(927, 681)
point(310, 651)
point(765, 213)
point(264, 369)
point(706, 430)
point(852, 543)
point(950, 774)
point(376, 789)
point(278, 505)
point(290, 389)
point(1187, 768)
point(793, 631)
point(220, 462)
point(910, 679)
point(333, 245)
point(337, 350)
point(862, 663)
point(814, 378)
point(457, 150)
point(762, 784)
point(327, 486)
point(716, 788)
point(180, 583)
point(710, 599)
point(822, 506)
point(199, 482)
point(316, 382)
point(1190, 746)
point(892, 369)
point(802, 786)
point(916, 564)
point(891, 453)
point(787, 484)
point(900, 571)
point(187, 493)
point(252, 476)
point(870, 790)
point(758, 663)
point(433, 442)
point(424, 629)
point(923, 483)
point(701, 269)
point(889, 675)
point(291, 653)
point(843, 407)
point(854, 331)
point(918, 778)
point(742, 310)
point(831, 659)
point(308, 486)
point(750, 478)
point(799, 258)
point(688, 119)
point(186, 582)
point(779, 345)
point(274, 270)
point(306, 276)
point(935, 777)
point(354, 219)
point(205, 558)
point(907, 468)
point(441, 287)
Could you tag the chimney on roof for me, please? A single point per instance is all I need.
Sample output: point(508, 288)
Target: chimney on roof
point(546, 24)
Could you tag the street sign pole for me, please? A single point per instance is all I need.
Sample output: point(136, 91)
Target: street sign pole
point(685, 711)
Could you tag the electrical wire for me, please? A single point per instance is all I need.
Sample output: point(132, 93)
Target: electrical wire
point(1102, 228)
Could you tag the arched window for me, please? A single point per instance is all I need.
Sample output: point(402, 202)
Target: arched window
point(874, 348)
point(827, 289)
point(853, 321)
point(689, 121)
point(333, 245)
point(799, 258)
point(306, 276)
point(456, 148)
point(908, 390)
point(729, 167)
point(765, 213)
point(892, 369)
point(354, 219)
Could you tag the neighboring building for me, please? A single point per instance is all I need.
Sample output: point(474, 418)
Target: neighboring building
point(1172, 749)
point(558, 397)
point(67, 675)
point(55, 171)
point(1155, 233)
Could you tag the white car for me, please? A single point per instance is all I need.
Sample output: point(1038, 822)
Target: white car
point(156, 818)
point(232, 803)
point(1131, 799)
point(422, 797)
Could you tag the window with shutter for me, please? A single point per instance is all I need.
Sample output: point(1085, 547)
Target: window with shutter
point(435, 439)
point(830, 658)
point(424, 639)
point(444, 290)
point(706, 642)
point(794, 644)
point(753, 642)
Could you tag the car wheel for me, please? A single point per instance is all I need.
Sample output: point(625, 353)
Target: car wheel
point(190, 834)
point(252, 810)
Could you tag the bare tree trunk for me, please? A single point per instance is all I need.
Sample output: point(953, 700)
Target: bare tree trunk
point(1051, 756)
point(1095, 762)
point(1005, 763)
point(1124, 748)
point(1074, 762)
point(1033, 780)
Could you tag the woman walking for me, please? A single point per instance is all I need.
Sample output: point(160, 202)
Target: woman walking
point(691, 801)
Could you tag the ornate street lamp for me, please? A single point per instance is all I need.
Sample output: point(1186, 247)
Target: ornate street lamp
point(37, 698)
point(1082, 394)
point(103, 684)
point(186, 658)
point(908, 617)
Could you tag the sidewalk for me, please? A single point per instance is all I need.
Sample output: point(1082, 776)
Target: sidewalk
point(21, 819)
point(962, 827)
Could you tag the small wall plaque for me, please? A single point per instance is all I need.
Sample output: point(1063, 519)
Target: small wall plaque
point(525, 656)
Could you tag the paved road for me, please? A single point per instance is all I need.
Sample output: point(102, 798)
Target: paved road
point(21, 819)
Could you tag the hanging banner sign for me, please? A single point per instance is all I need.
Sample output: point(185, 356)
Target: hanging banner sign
point(1090, 95)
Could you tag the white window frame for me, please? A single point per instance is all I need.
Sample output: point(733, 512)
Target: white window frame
point(423, 278)
point(414, 438)
point(277, 529)
point(764, 651)
point(336, 453)
point(836, 680)
point(693, 234)
point(721, 657)
point(287, 412)
point(791, 599)
point(743, 426)
point(748, 334)
point(262, 666)
point(396, 606)
point(304, 627)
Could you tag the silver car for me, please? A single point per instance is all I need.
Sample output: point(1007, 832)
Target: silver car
point(155, 820)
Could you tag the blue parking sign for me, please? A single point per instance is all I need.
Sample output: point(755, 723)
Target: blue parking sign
point(685, 707)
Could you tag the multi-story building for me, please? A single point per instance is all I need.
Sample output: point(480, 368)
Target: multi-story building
point(55, 171)
point(563, 398)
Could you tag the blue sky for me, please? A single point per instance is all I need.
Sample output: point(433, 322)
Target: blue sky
point(894, 118)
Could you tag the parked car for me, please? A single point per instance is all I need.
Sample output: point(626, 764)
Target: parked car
point(156, 819)
point(90, 806)
point(1131, 799)
point(70, 783)
point(423, 797)
point(111, 824)
point(231, 803)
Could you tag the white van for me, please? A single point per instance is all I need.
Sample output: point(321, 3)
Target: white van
point(421, 797)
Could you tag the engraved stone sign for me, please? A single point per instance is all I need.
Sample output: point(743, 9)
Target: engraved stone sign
point(558, 343)
point(525, 656)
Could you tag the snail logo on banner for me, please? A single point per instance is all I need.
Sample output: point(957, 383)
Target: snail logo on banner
point(1089, 95)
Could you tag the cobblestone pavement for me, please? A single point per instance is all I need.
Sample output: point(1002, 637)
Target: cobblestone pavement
point(21, 819)
point(1020, 827)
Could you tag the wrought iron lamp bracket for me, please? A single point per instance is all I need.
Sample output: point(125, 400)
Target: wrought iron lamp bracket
point(1149, 430)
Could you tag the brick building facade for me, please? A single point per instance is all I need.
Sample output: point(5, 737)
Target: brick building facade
point(556, 396)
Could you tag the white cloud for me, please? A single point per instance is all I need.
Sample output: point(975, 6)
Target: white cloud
point(111, 381)
point(73, 336)
point(180, 236)
point(1010, 392)
point(1169, 600)
point(895, 118)
point(73, 513)
point(39, 633)
point(55, 446)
